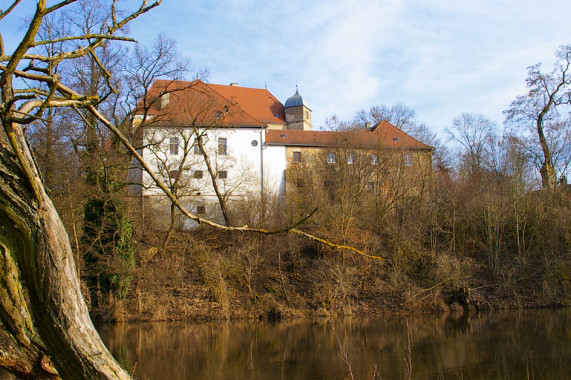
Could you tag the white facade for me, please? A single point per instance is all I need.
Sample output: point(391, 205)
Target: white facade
point(246, 168)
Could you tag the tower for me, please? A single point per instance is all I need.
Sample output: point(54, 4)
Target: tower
point(297, 113)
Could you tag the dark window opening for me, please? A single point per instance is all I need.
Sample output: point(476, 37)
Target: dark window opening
point(173, 146)
point(222, 146)
point(296, 157)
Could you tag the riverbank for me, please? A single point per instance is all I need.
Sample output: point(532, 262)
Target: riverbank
point(206, 275)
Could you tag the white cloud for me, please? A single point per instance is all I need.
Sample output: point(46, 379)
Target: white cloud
point(439, 57)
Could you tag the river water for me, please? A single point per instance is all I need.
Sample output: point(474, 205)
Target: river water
point(507, 345)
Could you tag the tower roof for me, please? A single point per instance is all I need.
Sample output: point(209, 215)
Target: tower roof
point(295, 100)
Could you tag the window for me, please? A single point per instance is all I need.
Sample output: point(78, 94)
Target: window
point(296, 157)
point(395, 139)
point(300, 183)
point(374, 159)
point(331, 159)
point(196, 147)
point(200, 210)
point(225, 109)
point(350, 158)
point(173, 174)
point(197, 174)
point(222, 174)
point(173, 146)
point(222, 146)
point(407, 159)
point(370, 186)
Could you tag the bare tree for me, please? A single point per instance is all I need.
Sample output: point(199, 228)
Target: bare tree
point(476, 134)
point(399, 115)
point(55, 324)
point(541, 117)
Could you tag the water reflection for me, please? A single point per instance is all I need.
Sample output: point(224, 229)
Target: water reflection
point(528, 345)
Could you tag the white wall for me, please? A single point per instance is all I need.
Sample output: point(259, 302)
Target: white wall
point(242, 161)
point(274, 169)
point(243, 164)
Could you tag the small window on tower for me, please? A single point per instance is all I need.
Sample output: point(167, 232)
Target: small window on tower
point(200, 210)
point(222, 174)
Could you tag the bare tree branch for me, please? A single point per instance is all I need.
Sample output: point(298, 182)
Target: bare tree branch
point(84, 37)
point(7, 11)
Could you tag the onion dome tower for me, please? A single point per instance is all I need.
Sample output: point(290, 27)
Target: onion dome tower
point(297, 113)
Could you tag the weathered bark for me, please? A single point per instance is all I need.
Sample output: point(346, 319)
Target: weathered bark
point(547, 171)
point(37, 263)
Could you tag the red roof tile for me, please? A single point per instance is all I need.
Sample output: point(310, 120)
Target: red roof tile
point(212, 104)
point(383, 134)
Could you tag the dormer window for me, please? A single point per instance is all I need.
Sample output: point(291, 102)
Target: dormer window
point(395, 139)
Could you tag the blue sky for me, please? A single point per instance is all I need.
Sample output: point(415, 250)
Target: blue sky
point(440, 58)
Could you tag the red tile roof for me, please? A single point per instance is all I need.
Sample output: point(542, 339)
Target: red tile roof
point(213, 104)
point(383, 135)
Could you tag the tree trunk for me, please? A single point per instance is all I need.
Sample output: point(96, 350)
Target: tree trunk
point(37, 265)
point(548, 176)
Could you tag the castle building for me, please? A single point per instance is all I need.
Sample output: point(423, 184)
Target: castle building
point(198, 137)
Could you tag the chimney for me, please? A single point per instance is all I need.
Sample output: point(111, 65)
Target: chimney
point(234, 84)
point(368, 125)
